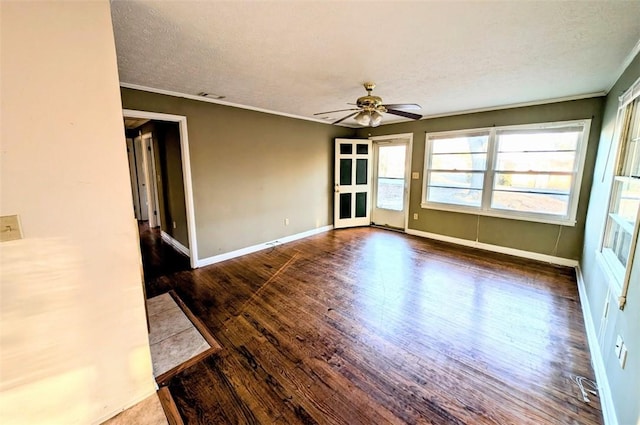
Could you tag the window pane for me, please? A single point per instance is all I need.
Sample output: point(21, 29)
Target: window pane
point(345, 171)
point(619, 242)
point(455, 180)
point(531, 202)
point(346, 148)
point(546, 183)
point(536, 161)
point(345, 205)
point(391, 161)
point(445, 195)
point(361, 171)
point(390, 194)
point(626, 199)
point(539, 140)
point(361, 204)
point(459, 161)
point(362, 149)
point(461, 144)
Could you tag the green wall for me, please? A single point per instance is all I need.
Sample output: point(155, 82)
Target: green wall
point(624, 383)
point(523, 235)
point(251, 170)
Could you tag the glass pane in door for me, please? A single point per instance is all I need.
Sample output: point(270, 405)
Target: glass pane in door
point(361, 171)
point(361, 204)
point(345, 205)
point(391, 172)
point(345, 171)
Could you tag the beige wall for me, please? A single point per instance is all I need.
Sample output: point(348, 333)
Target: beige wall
point(250, 171)
point(523, 235)
point(73, 335)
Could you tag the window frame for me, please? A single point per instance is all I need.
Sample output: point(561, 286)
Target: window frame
point(485, 208)
point(617, 275)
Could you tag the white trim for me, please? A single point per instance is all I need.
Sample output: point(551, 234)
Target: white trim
point(186, 172)
point(129, 405)
point(489, 172)
point(514, 105)
point(259, 247)
point(424, 117)
point(220, 102)
point(625, 64)
point(496, 248)
point(604, 390)
point(174, 243)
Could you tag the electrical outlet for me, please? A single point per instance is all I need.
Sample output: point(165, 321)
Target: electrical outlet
point(415, 216)
point(619, 345)
point(10, 228)
point(415, 175)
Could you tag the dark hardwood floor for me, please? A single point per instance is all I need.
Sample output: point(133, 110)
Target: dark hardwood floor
point(158, 257)
point(367, 326)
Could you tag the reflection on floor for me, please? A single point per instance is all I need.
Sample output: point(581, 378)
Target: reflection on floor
point(148, 412)
point(172, 337)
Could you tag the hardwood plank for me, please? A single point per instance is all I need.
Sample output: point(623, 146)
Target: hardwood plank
point(361, 326)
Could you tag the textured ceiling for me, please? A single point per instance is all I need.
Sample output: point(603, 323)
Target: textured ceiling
point(304, 57)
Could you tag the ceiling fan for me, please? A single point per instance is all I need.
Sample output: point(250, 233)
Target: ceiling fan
point(370, 108)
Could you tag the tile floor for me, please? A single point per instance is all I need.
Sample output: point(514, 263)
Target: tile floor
point(148, 412)
point(172, 337)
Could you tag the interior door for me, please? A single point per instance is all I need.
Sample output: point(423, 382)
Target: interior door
point(143, 193)
point(150, 168)
point(390, 185)
point(134, 178)
point(352, 200)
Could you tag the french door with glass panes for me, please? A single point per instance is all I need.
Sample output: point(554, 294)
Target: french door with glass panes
point(352, 197)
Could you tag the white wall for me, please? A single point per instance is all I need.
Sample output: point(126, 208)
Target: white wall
point(73, 337)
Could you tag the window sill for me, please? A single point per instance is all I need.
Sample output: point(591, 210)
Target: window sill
point(474, 211)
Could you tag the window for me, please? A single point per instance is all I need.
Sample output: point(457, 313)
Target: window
point(527, 172)
point(621, 230)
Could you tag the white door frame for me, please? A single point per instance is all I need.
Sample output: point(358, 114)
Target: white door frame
point(186, 172)
point(407, 172)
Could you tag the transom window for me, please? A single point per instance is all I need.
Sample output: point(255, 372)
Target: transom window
point(527, 172)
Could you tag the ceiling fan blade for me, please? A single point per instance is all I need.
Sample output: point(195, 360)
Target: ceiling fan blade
point(411, 106)
point(339, 110)
point(344, 118)
point(404, 114)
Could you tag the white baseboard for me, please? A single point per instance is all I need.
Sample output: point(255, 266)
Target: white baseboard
point(604, 390)
point(251, 249)
point(174, 243)
point(497, 248)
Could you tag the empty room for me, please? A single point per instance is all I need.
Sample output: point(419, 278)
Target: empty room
point(320, 212)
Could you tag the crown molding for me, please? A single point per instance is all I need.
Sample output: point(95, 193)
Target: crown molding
point(222, 102)
point(516, 105)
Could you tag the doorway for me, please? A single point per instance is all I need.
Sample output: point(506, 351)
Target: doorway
point(391, 178)
point(163, 181)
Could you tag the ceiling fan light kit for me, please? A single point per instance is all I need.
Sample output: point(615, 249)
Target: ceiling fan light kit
point(370, 108)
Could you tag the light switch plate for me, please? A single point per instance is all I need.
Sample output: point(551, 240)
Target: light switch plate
point(10, 228)
point(415, 175)
point(623, 356)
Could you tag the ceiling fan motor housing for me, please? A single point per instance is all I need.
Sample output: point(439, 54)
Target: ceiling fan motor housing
point(369, 103)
